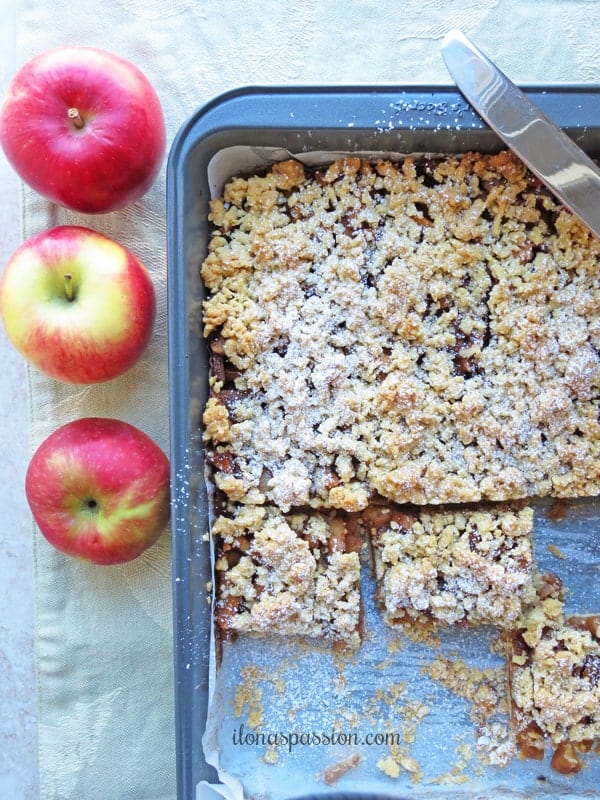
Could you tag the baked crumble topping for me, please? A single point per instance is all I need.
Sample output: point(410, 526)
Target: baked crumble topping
point(453, 566)
point(287, 575)
point(554, 669)
point(426, 331)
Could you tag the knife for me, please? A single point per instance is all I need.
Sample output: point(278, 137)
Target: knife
point(546, 149)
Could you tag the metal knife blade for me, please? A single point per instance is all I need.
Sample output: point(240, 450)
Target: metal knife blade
point(546, 149)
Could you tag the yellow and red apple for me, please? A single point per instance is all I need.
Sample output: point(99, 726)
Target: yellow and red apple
point(84, 128)
point(78, 305)
point(99, 490)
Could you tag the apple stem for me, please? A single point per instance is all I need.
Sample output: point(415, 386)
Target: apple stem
point(69, 293)
point(75, 117)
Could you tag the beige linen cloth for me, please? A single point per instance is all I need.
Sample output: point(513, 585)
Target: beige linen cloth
point(104, 634)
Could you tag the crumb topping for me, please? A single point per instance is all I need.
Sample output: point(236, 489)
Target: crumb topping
point(425, 330)
point(287, 575)
point(554, 666)
point(454, 566)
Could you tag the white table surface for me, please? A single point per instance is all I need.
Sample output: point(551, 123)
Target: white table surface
point(18, 703)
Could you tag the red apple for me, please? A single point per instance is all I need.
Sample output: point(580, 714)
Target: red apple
point(77, 305)
point(84, 128)
point(99, 490)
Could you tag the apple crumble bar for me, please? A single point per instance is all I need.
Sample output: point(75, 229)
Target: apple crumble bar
point(287, 575)
point(554, 670)
point(401, 354)
point(426, 331)
point(452, 566)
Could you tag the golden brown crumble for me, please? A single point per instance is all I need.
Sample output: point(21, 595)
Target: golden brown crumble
point(453, 566)
point(425, 330)
point(289, 575)
point(554, 668)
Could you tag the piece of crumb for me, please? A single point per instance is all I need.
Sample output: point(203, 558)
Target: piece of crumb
point(410, 764)
point(556, 551)
point(389, 767)
point(271, 756)
point(249, 696)
point(557, 511)
point(333, 773)
point(395, 762)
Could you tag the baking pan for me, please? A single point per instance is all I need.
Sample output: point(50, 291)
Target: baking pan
point(247, 123)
